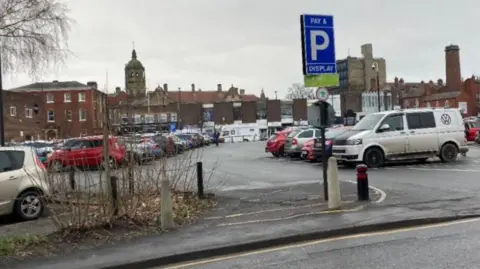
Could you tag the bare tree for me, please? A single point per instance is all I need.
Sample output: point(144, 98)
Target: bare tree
point(33, 34)
point(298, 91)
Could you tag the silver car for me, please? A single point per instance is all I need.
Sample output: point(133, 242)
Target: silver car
point(296, 139)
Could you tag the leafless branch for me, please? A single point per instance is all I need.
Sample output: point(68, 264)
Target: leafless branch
point(33, 35)
point(298, 91)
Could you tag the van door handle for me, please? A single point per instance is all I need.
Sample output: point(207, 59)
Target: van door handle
point(402, 132)
point(412, 132)
point(12, 178)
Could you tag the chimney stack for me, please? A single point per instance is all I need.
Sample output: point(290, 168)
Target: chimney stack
point(92, 84)
point(165, 87)
point(242, 92)
point(440, 82)
point(193, 87)
point(452, 67)
point(118, 90)
point(219, 87)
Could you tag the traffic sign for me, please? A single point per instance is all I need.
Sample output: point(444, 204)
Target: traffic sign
point(322, 94)
point(318, 45)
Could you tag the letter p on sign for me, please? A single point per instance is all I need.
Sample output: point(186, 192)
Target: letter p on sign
point(313, 42)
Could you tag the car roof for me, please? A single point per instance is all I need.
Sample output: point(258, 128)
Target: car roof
point(24, 148)
point(411, 110)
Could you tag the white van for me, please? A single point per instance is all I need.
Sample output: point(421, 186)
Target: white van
point(240, 133)
point(411, 134)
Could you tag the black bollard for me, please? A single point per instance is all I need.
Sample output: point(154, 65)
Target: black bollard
point(71, 177)
point(362, 183)
point(201, 195)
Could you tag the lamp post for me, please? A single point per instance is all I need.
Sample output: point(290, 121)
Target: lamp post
point(375, 68)
point(2, 126)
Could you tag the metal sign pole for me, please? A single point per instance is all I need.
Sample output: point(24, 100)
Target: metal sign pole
point(323, 115)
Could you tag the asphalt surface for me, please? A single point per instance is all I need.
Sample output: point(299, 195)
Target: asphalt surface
point(453, 245)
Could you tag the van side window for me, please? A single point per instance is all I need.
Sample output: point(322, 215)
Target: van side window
point(5, 162)
point(420, 120)
point(395, 122)
point(226, 133)
point(232, 132)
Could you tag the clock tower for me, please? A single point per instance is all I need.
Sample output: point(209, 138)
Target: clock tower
point(135, 84)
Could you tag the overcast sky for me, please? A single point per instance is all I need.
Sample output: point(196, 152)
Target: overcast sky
point(255, 44)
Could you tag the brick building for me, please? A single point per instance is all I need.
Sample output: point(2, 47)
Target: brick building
point(356, 75)
point(23, 116)
point(454, 93)
point(70, 108)
point(136, 108)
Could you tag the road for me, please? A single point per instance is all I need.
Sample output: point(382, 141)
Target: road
point(447, 245)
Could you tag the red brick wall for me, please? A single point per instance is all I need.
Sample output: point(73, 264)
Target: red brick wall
point(299, 108)
point(249, 111)
point(273, 110)
point(34, 126)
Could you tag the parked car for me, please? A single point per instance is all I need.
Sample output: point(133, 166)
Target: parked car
point(296, 139)
point(330, 135)
point(307, 151)
point(87, 152)
point(23, 183)
point(187, 139)
point(165, 143)
point(471, 129)
point(180, 145)
point(276, 143)
point(139, 150)
point(477, 138)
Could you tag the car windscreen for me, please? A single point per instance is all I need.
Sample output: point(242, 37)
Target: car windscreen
point(294, 133)
point(38, 144)
point(368, 122)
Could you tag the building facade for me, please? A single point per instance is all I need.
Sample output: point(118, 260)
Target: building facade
point(23, 117)
point(163, 109)
point(356, 76)
point(453, 93)
point(70, 108)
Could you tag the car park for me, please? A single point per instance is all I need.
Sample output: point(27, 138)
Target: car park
point(410, 134)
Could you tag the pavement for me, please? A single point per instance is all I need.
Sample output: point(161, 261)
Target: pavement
point(268, 197)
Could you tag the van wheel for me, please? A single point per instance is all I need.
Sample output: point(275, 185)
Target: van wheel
point(374, 158)
point(29, 205)
point(448, 153)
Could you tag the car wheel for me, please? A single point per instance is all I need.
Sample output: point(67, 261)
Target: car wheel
point(275, 154)
point(57, 166)
point(374, 158)
point(449, 153)
point(281, 151)
point(29, 205)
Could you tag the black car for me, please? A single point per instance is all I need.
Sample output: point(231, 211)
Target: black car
point(330, 135)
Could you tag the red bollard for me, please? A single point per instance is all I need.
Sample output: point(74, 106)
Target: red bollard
point(362, 183)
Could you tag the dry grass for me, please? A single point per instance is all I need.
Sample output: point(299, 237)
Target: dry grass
point(88, 216)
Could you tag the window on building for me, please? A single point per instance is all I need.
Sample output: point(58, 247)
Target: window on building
point(82, 114)
point(67, 97)
point(286, 111)
point(81, 97)
point(237, 113)
point(28, 113)
point(50, 98)
point(13, 111)
point(261, 110)
point(51, 116)
point(69, 115)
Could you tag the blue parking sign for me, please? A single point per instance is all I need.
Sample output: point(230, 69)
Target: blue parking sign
point(318, 45)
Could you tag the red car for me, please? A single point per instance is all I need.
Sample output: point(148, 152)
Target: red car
point(471, 129)
point(86, 152)
point(276, 143)
point(307, 151)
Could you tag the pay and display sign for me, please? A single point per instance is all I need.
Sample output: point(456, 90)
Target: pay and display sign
point(318, 51)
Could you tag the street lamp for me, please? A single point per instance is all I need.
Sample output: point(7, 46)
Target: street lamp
point(375, 68)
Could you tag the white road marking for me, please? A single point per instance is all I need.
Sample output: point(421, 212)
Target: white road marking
point(383, 195)
point(445, 169)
